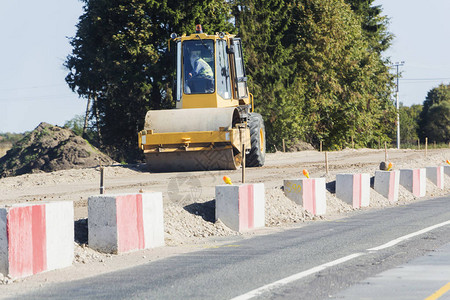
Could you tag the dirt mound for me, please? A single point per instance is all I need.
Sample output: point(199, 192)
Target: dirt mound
point(299, 145)
point(50, 148)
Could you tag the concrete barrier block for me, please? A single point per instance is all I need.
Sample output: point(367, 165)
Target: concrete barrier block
point(308, 192)
point(436, 176)
point(353, 189)
point(125, 222)
point(36, 237)
point(447, 170)
point(386, 183)
point(241, 207)
point(414, 180)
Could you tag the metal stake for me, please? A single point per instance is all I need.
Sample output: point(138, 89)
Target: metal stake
point(102, 188)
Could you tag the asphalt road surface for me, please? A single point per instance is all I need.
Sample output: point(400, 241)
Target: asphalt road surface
point(337, 259)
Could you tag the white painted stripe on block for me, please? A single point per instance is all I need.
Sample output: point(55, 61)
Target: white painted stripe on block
point(259, 203)
point(60, 234)
point(152, 204)
point(365, 189)
point(423, 181)
point(396, 183)
point(320, 199)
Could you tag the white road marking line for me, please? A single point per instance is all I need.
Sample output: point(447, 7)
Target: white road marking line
point(295, 277)
point(408, 236)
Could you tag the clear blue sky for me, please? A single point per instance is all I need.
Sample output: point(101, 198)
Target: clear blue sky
point(422, 30)
point(34, 46)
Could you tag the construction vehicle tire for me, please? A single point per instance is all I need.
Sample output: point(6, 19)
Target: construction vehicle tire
point(257, 155)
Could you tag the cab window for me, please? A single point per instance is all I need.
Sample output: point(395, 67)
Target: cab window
point(198, 57)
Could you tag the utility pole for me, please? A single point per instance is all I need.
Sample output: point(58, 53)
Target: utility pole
point(397, 65)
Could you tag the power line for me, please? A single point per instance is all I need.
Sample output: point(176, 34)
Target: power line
point(32, 87)
point(36, 98)
point(424, 79)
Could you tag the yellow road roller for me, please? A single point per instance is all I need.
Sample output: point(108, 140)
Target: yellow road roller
point(213, 124)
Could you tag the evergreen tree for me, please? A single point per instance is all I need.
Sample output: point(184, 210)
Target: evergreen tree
point(347, 87)
point(263, 27)
point(373, 24)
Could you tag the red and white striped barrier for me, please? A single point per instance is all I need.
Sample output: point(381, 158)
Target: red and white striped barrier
point(241, 207)
point(353, 189)
point(308, 192)
point(35, 238)
point(387, 184)
point(125, 222)
point(436, 176)
point(414, 180)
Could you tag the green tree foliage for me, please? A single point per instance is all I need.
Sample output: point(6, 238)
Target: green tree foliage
point(11, 138)
point(314, 73)
point(409, 123)
point(120, 59)
point(373, 24)
point(347, 87)
point(263, 27)
point(75, 124)
point(435, 115)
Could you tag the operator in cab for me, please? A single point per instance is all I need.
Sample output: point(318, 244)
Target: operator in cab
point(201, 77)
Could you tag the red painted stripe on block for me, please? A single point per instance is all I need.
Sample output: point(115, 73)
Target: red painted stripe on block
point(309, 193)
point(416, 182)
point(357, 191)
point(20, 241)
point(140, 221)
point(251, 207)
point(129, 223)
point(246, 207)
point(391, 186)
point(39, 236)
point(27, 240)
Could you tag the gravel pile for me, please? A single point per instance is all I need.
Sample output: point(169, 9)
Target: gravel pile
point(50, 148)
point(281, 211)
point(185, 225)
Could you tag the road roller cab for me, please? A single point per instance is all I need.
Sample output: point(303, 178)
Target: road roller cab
point(213, 123)
point(210, 71)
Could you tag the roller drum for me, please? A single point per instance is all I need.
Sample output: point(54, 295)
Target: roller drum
point(188, 120)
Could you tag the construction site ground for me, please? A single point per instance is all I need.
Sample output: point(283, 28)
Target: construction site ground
point(189, 216)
